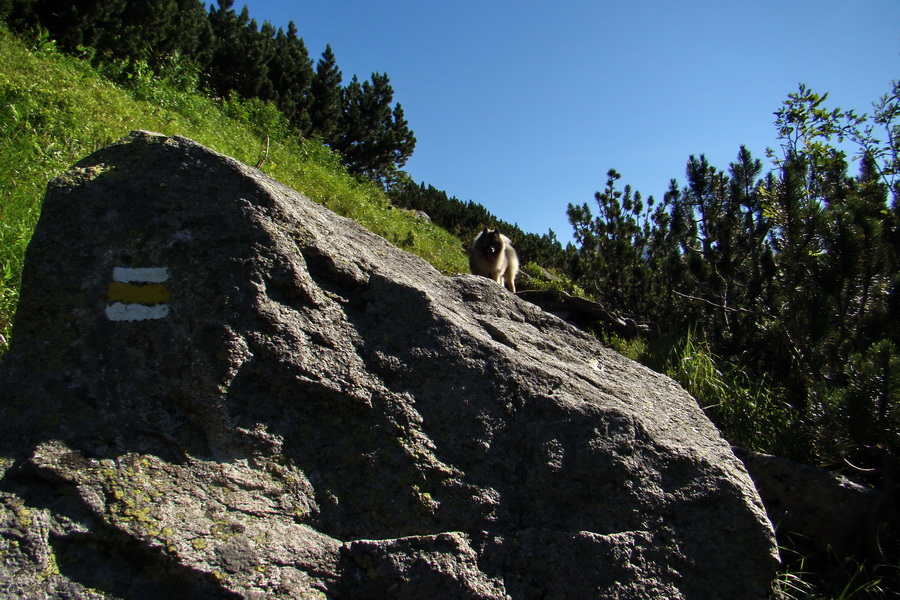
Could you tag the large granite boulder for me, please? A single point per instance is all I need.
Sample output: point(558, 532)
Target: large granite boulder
point(219, 389)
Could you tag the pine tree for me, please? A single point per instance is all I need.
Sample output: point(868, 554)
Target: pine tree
point(155, 30)
point(147, 31)
point(721, 230)
point(76, 24)
point(374, 138)
point(614, 247)
point(752, 245)
point(240, 55)
point(291, 74)
point(6, 8)
point(325, 110)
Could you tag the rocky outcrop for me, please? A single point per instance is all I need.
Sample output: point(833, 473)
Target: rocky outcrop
point(583, 313)
point(217, 388)
point(816, 512)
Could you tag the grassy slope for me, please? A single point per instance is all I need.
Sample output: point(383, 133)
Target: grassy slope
point(54, 110)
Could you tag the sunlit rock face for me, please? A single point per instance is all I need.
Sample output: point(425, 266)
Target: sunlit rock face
point(217, 388)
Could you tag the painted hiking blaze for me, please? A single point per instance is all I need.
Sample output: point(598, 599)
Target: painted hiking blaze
point(138, 294)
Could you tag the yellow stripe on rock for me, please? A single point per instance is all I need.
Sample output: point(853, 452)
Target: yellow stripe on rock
point(130, 293)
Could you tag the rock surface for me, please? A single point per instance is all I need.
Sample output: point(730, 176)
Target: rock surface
point(816, 512)
point(217, 388)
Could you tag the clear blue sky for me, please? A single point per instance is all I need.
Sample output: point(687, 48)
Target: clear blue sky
point(524, 106)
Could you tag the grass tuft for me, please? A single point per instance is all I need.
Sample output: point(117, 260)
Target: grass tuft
point(747, 412)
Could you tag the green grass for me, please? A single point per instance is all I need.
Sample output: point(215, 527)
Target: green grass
point(56, 109)
point(844, 579)
point(748, 413)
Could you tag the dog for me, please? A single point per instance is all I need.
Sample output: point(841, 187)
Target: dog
point(491, 255)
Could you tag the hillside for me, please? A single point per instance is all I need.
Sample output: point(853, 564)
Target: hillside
point(55, 109)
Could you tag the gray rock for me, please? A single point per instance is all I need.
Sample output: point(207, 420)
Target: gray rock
point(217, 388)
point(815, 511)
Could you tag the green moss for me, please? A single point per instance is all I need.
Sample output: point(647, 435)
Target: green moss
point(80, 175)
point(217, 577)
point(135, 490)
point(52, 567)
point(24, 517)
point(224, 530)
